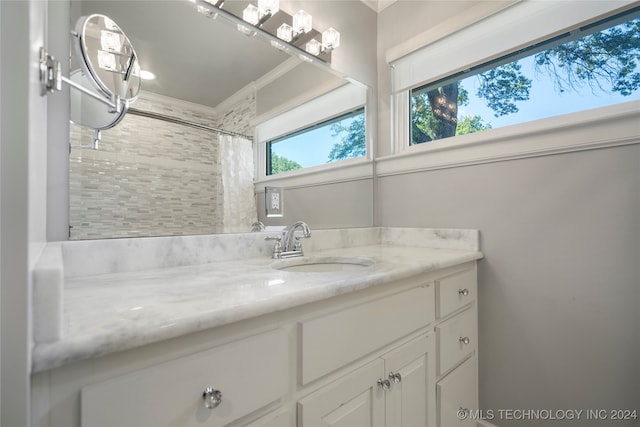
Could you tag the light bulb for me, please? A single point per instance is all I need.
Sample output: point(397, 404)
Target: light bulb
point(107, 61)
point(313, 47)
point(285, 32)
point(251, 14)
point(268, 7)
point(302, 22)
point(330, 39)
point(110, 41)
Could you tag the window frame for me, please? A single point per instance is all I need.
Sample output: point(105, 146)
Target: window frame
point(342, 100)
point(492, 33)
point(327, 122)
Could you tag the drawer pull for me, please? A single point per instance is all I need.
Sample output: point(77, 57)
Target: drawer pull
point(396, 377)
point(384, 384)
point(464, 292)
point(465, 340)
point(212, 397)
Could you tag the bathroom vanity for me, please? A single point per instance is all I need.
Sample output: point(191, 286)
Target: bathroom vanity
point(391, 341)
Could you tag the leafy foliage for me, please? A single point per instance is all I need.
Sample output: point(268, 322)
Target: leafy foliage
point(426, 126)
point(281, 164)
point(502, 87)
point(606, 60)
point(353, 143)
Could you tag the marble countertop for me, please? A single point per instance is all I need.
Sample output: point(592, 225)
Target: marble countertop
point(107, 313)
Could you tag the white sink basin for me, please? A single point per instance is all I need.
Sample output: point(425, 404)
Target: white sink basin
point(322, 264)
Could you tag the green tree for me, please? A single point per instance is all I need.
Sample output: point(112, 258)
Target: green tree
point(353, 144)
point(606, 60)
point(428, 124)
point(281, 164)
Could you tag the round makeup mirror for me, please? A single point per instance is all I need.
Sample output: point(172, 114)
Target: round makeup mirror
point(87, 111)
point(107, 58)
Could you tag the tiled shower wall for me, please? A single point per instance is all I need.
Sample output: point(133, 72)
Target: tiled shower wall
point(155, 178)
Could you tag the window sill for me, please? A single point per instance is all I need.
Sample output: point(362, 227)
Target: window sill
point(603, 127)
point(341, 171)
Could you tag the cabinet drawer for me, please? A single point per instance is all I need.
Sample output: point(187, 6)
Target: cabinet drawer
point(250, 373)
point(456, 338)
point(456, 291)
point(332, 341)
point(458, 392)
point(280, 418)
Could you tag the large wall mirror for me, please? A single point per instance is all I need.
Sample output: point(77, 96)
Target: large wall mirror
point(155, 177)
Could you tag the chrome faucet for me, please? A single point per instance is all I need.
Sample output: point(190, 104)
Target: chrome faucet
point(288, 244)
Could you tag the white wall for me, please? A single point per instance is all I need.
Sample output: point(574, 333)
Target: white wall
point(22, 196)
point(560, 282)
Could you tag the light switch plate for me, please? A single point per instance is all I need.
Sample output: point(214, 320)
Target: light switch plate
point(273, 202)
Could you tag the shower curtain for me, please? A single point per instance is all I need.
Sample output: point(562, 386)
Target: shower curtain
point(236, 161)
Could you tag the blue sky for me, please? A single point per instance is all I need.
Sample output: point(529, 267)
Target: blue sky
point(544, 101)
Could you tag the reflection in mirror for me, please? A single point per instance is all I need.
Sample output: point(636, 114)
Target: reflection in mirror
point(108, 79)
point(193, 174)
point(107, 57)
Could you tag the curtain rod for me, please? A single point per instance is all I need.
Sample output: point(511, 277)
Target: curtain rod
point(182, 122)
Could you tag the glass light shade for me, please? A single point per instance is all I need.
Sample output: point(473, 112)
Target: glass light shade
point(302, 22)
point(313, 47)
point(270, 7)
point(330, 39)
point(285, 32)
point(278, 45)
point(251, 14)
point(110, 41)
point(245, 30)
point(107, 61)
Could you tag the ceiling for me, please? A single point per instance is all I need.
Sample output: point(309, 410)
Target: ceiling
point(194, 58)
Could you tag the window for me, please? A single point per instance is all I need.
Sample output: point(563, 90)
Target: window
point(593, 66)
point(340, 138)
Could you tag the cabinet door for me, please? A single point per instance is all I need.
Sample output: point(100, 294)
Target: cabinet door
point(458, 396)
point(355, 400)
point(410, 402)
point(280, 418)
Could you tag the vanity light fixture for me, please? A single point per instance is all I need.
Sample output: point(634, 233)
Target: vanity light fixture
point(313, 47)
point(206, 11)
point(330, 39)
point(258, 15)
point(302, 23)
point(295, 34)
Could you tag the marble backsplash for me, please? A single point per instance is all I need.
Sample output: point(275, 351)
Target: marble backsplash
point(91, 257)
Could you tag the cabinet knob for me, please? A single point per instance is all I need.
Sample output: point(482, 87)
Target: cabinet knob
point(395, 376)
point(464, 292)
point(212, 397)
point(465, 340)
point(384, 384)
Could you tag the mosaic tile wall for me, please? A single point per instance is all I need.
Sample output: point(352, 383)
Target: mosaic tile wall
point(154, 178)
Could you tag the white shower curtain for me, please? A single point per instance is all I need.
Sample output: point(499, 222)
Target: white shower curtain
point(236, 161)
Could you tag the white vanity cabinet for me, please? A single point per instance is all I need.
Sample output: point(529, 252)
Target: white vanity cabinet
point(398, 354)
point(457, 338)
point(213, 387)
point(422, 382)
point(390, 391)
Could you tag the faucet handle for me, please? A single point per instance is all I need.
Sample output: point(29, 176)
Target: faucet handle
point(277, 248)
